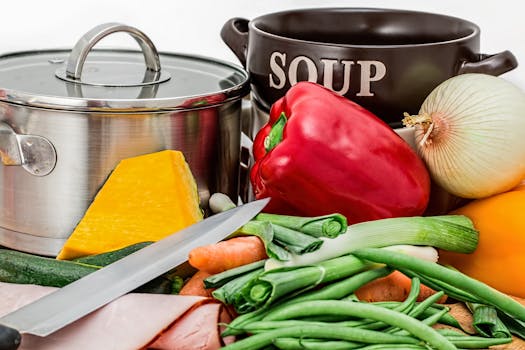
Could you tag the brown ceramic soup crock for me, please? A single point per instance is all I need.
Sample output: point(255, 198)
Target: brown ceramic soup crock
point(386, 60)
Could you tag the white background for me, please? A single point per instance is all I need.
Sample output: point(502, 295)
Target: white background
point(193, 26)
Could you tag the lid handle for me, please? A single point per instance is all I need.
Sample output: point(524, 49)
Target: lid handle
point(79, 53)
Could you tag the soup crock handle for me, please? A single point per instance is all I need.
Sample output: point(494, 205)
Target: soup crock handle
point(491, 64)
point(235, 34)
point(34, 153)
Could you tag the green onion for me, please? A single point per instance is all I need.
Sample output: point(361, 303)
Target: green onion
point(264, 231)
point(295, 241)
point(452, 277)
point(219, 279)
point(319, 226)
point(220, 202)
point(515, 326)
point(273, 285)
point(451, 232)
point(229, 291)
point(486, 321)
point(364, 310)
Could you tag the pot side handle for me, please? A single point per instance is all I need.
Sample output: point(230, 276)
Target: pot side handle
point(35, 154)
point(496, 64)
point(235, 34)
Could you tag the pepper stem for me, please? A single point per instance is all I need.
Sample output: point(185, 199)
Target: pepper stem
point(276, 133)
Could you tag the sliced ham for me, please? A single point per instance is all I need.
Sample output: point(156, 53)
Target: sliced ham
point(132, 322)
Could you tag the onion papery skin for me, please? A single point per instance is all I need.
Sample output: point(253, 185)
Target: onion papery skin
point(477, 145)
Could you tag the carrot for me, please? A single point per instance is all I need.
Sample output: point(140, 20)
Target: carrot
point(394, 287)
point(225, 255)
point(195, 285)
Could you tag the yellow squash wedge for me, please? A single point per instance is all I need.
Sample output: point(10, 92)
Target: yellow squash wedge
point(145, 198)
point(499, 259)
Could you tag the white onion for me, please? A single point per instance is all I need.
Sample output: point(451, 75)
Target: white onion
point(470, 131)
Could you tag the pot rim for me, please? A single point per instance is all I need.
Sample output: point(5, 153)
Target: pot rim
point(475, 30)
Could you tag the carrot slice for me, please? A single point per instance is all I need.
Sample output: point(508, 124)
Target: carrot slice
point(394, 287)
point(195, 285)
point(225, 255)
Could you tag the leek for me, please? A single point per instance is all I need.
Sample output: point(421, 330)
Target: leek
point(449, 232)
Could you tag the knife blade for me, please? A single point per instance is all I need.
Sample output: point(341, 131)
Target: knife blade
point(67, 304)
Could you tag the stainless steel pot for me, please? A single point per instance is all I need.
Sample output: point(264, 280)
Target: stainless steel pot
point(67, 118)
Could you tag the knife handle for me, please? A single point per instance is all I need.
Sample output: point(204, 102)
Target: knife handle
point(10, 338)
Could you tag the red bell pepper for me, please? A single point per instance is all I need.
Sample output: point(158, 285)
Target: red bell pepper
point(321, 153)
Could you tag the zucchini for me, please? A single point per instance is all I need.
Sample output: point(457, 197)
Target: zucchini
point(24, 268)
point(104, 259)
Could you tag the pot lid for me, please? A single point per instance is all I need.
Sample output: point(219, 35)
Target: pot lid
point(87, 79)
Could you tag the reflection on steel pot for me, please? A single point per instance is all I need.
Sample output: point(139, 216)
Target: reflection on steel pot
point(67, 119)
point(388, 61)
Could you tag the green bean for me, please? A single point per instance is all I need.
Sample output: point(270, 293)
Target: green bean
point(315, 344)
point(433, 319)
point(411, 299)
point(473, 342)
point(403, 307)
point(451, 291)
point(350, 297)
point(478, 289)
point(394, 346)
point(429, 321)
point(425, 304)
point(450, 332)
point(446, 319)
point(363, 310)
point(334, 290)
point(344, 287)
point(261, 326)
point(339, 333)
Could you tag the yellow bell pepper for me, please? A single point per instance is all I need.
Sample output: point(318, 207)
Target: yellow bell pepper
point(499, 259)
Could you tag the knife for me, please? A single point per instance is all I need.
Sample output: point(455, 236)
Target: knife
point(67, 304)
